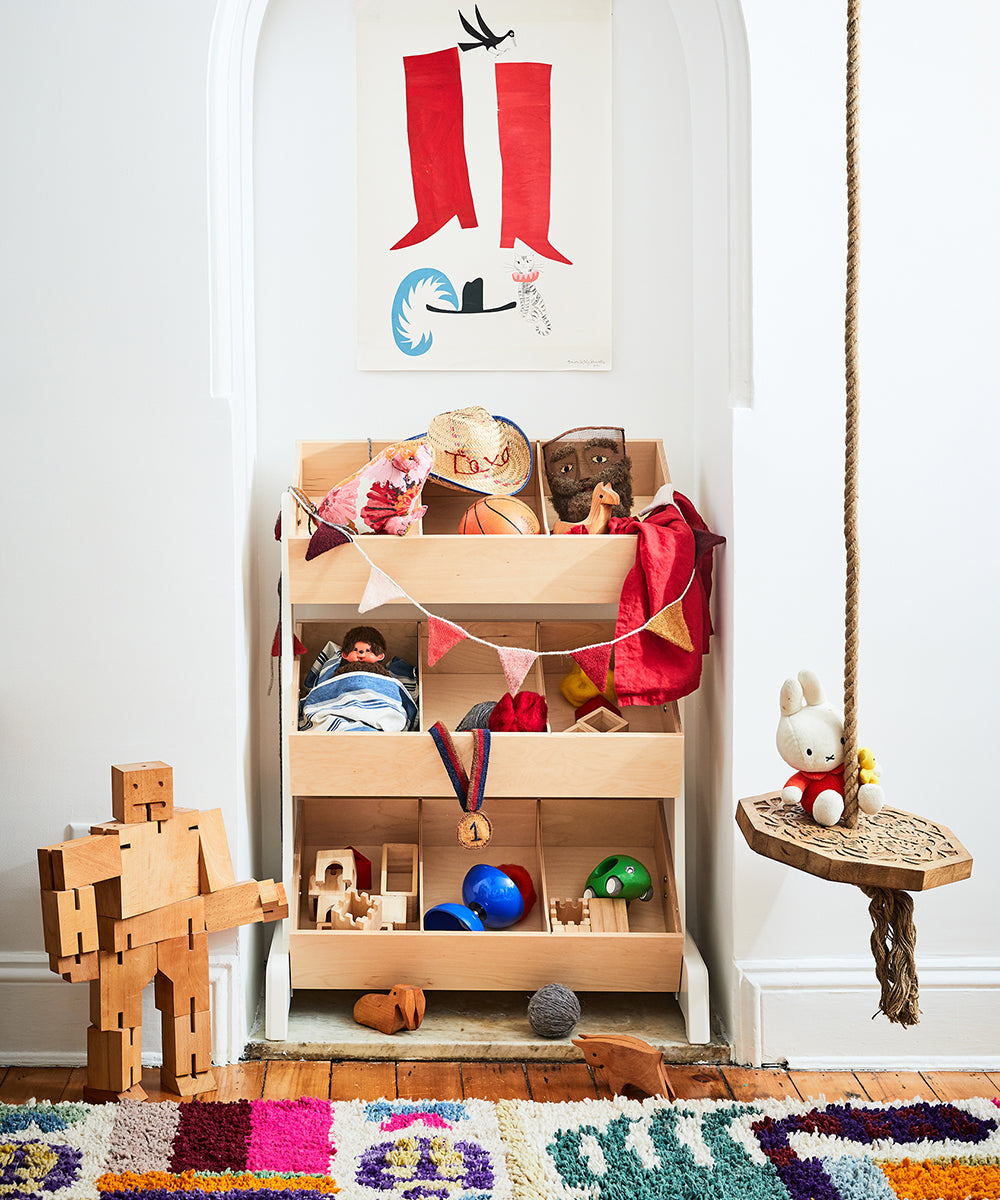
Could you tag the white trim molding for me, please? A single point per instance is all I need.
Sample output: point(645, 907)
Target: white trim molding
point(819, 1015)
point(54, 1034)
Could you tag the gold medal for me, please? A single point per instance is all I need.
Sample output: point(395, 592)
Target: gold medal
point(474, 830)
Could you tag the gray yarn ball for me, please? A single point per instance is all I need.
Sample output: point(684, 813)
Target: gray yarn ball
point(478, 717)
point(553, 1011)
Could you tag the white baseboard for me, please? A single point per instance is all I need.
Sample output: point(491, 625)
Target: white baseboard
point(44, 1019)
point(819, 1015)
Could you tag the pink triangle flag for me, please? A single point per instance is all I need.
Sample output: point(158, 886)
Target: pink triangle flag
point(441, 636)
point(380, 589)
point(594, 661)
point(516, 664)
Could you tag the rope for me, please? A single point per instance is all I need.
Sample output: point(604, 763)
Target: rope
point(850, 818)
point(894, 936)
point(893, 942)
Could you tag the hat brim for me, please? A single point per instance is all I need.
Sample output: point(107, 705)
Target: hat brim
point(500, 483)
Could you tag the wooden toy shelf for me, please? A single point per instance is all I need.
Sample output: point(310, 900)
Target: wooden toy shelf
point(559, 800)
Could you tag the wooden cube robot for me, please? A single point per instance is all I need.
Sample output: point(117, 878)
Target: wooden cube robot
point(133, 902)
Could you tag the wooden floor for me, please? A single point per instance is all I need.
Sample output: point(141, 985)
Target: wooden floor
point(277, 1080)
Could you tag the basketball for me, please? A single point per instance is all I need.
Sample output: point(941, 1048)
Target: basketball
point(498, 514)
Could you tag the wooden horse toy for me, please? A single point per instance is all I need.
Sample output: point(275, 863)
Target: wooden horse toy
point(626, 1062)
point(602, 503)
point(402, 1008)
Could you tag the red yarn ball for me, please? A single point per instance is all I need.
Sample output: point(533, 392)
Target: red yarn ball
point(524, 713)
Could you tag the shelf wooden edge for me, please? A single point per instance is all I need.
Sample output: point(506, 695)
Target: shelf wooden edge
point(894, 849)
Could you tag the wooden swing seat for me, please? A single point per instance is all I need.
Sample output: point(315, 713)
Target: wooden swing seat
point(893, 849)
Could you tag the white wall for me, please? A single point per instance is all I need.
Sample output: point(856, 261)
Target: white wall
point(929, 646)
point(129, 635)
point(120, 602)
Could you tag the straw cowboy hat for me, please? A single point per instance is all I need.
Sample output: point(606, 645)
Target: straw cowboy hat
point(476, 452)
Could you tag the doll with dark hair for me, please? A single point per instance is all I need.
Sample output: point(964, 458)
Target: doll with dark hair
point(363, 649)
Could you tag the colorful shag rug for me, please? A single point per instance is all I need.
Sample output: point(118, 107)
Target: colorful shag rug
point(477, 1150)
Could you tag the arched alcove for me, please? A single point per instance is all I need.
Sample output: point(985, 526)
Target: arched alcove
point(282, 210)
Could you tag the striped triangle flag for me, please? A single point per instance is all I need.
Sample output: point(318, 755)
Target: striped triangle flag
point(380, 589)
point(594, 662)
point(516, 664)
point(441, 636)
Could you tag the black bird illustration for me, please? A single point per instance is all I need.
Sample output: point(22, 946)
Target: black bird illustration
point(484, 36)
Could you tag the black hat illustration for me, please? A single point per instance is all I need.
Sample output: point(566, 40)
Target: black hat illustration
point(472, 301)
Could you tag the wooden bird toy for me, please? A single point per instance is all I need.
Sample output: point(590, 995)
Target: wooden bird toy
point(402, 1008)
point(626, 1063)
point(602, 503)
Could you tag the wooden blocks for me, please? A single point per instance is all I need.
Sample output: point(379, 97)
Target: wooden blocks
point(352, 910)
point(608, 916)
point(166, 851)
point(142, 792)
point(402, 1008)
point(114, 1062)
point(144, 929)
point(134, 902)
point(69, 919)
point(116, 995)
point(182, 975)
point(400, 883)
point(600, 720)
point(335, 871)
point(215, 864)
point(569, 916)
point(78, 863)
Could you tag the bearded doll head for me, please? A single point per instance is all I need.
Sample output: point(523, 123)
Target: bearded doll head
point(578, 460)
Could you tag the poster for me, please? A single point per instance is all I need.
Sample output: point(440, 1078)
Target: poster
point(484, 185)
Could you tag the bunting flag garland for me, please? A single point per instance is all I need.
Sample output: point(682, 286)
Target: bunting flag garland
point(594, 662)
point(325, 538)
point(516, 664)
point(380, 590)
point(671, 626)
point(441, 636)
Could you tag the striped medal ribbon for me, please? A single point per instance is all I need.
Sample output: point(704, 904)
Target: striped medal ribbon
point(474, 829)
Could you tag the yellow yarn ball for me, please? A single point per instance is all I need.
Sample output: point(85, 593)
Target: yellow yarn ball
point(578, 689)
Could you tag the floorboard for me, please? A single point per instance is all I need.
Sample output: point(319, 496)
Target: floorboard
point(494, 1081)
point(363, 1081)
point(748, 1084)
point(886, 1086)
point(830, 1086)
point(429, 1081)
point(561, 1081)
point(553, 1081)
point(289, 1080)
point(959, 1085)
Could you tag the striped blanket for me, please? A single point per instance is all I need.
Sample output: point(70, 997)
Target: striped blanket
point(358, 701)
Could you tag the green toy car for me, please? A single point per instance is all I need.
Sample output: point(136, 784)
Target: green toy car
point(620, 877)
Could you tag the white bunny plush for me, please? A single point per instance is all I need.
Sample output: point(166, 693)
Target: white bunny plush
point(810, 738)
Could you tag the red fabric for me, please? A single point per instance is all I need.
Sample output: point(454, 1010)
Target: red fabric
point(434, 130)
point(522, 881)
point(814, 782)
point(524, 713)
point(648, 669)
point(297, 646)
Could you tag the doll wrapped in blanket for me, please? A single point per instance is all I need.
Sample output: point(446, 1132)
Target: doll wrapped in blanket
point(351, 689)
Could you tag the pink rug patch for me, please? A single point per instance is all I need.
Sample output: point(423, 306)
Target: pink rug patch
point(405, 1120)
point(290, 1135)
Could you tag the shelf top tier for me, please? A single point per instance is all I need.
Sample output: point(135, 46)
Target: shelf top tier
point(436, 565)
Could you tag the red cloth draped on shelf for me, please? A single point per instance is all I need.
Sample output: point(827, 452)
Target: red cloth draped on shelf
point(673, 553)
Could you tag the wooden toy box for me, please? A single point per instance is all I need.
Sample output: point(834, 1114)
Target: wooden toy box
point(646, 760)
point(559, 801)
point(557, 841)
point(479, 570)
